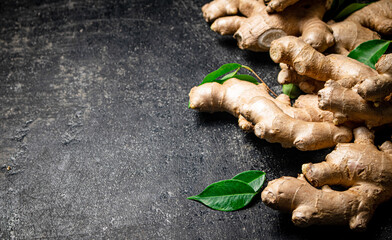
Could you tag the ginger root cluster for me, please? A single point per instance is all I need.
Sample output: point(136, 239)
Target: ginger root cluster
point(345, 98)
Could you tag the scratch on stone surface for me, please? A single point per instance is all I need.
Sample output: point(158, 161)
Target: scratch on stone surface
point(167, 216)
point(21, 133)
point(74, 129)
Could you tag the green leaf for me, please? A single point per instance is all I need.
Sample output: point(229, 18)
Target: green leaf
point(369, 52)
point(291, 90)
point(226, 195)
point(247, 78)
point(225, 68)
point(244, 77)
point(349, 10)
point(253, 178)
point(228, 76)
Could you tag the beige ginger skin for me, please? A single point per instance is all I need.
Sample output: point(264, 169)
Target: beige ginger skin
point(279, 5)
point(371, 84)
point(348, 105)
point(361, 26)
point(353, 87)
point(258, 28)
point(306, 127)
point(306, 61)
point(361, 167)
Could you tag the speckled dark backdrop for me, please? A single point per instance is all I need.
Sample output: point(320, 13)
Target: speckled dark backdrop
point(96, 141)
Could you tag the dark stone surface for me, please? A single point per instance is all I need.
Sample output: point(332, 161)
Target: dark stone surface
point(100, 143)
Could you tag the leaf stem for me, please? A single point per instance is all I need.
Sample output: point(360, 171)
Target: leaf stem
point(251, 70)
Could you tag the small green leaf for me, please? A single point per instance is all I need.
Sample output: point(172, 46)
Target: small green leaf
point(244, 77)
point(233, 68)
point(291, 90)
point(369, 52)
point(228, 76)
point(225, 68)
point(226, 195)
point(247, 78)
point(253, 178)
point(349, 10)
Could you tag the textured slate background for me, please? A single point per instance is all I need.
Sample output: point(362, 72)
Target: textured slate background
point(96, 138)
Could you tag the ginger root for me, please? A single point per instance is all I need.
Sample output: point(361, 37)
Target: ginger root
point(370, 84)
point(306, 61)
point(379, 87)
point(279, 5)
point(257, 29)
point(353, 88)
point(305, 127)
point(361, 26)
point(307, 84)
point(362, 168)
point(376, 16)
point(348, 106)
